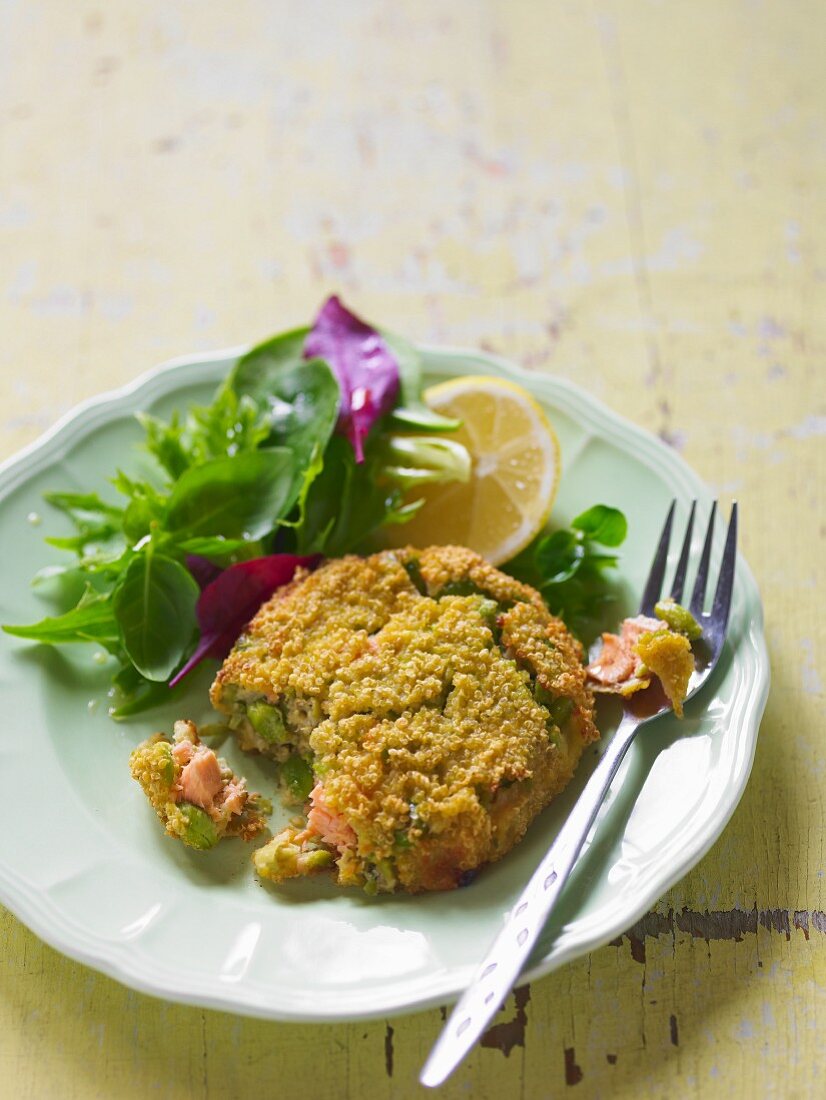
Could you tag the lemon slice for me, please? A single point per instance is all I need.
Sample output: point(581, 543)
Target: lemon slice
point(514, 478)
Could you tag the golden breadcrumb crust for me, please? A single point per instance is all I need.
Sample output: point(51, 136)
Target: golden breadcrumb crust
point(426, 668)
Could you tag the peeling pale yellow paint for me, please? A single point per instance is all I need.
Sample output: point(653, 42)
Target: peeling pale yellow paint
point(628, 194)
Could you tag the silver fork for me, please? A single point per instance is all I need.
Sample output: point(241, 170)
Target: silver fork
point(501, 967)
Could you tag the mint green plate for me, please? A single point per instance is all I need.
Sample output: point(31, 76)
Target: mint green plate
point(84, 863)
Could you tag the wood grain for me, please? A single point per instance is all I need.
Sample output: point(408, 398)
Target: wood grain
point(630, 195)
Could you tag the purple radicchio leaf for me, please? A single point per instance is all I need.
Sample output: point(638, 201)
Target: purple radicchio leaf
point(366, 369)
point(229, 600)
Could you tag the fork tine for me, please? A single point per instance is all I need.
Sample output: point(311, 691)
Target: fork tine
point(722, 596)
point(682, 564)
point(654, 584)
point(699, 594)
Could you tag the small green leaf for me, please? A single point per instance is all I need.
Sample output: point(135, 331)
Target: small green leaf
point(230, 425)
point(83, 507)
point(78, 543)
point(154, 605)
point(398, 514)
point(303, 407)
point(148, 695)
point(602, 524)
point(164, 443)
point(308, 476)
point(558, 556)
point(258, 373)
point(299, 398)
point(239, 497)
point(94, 520)
point(345, 503)
point(92, 620)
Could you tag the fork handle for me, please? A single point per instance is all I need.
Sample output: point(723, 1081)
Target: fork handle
point(501, 967)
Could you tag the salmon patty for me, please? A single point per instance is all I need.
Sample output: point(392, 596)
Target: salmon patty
point(423, 708)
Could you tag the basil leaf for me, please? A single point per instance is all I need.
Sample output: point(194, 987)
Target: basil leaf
point(154, 604)
point(602, 524)
point(571, 571)
point(239, 497)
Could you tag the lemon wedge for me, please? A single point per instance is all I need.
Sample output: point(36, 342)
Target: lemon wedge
point(514, 477)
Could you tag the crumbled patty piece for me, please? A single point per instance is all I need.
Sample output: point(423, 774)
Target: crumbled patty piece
point(193, 791)
point(648, 647)
point(437, 703)
point(668, 655)
point(619, 669)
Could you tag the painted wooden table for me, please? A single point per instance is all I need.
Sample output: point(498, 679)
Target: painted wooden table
point(630, 195)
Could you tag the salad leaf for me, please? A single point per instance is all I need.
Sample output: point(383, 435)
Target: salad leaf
point(258, 374)
point(304, 409)
point(230, 600)
point(92, 620)
point(132, 693)
point(238, 497)
point(607, 526)
point(84, 508)
point(299, 398)
point(154, 605)
point(231, 425)
point(558, 556)
point(569, 565)
point(94, 520)
point(367, 372)
point(220, 548)
point(346, 503)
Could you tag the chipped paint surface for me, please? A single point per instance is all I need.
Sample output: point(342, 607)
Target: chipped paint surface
point(630, 195)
